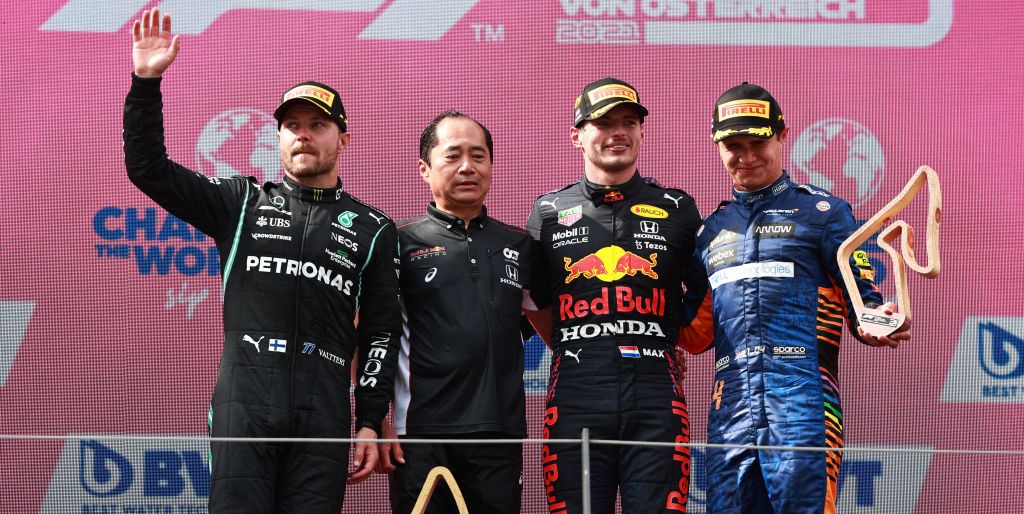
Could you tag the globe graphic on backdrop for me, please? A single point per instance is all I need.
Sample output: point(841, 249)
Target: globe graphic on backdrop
point(840, 156)
point(240, 142)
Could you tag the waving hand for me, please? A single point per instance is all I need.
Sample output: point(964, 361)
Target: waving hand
point(153, 46)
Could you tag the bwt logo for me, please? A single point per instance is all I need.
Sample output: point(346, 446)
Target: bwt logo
point(988, 365)
point(1000, 352)
point(129, 477)
point(103, 472)
point(416, 20)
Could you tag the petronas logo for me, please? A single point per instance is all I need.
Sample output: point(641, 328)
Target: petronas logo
point(346, 218)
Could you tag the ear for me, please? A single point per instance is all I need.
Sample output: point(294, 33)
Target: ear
point(783, 134)
point(574, 137)
point(343, 140)
point(424, 171)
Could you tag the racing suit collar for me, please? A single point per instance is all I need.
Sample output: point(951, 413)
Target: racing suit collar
point(602, 195)
point(451, 222)
point(770, 191)
point(311, 194)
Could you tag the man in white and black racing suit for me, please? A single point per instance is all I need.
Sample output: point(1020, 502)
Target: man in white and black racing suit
point(300, 259)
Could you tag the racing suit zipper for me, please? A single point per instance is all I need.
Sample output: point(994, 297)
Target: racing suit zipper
point(292, 355)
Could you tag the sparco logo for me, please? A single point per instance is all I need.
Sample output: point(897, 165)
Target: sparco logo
point(415, 20)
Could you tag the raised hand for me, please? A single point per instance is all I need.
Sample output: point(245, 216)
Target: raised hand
point(153, 46)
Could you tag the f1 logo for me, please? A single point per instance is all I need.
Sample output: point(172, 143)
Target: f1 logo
point(649, 227)
point(403, 20)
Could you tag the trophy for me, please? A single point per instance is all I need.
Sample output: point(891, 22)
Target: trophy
point(875, 321)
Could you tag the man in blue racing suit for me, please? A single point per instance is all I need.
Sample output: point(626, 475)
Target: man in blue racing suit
point(777, 304)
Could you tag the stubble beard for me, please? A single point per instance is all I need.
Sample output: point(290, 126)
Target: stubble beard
point(322, 166)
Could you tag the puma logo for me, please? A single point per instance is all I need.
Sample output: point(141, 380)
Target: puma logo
point(254, 342)
point(674, 200)
point(574, 355)
point(551, 203)
point(379, 220)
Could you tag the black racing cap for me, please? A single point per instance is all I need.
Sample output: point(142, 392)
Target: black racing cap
point(746, 109)
point(315, 93)
point(601, 96)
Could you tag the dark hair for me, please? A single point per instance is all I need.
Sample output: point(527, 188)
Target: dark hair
point(428, 139)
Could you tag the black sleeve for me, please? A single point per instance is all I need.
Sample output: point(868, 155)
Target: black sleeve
point(540, 275)
point(212, 204)
point(380, 329)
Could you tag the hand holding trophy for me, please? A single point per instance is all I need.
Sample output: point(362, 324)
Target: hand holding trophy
point(879, 322)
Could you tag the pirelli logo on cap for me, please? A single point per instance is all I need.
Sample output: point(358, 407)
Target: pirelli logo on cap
point(308, 91)
point(611, 91)
point(736, 108)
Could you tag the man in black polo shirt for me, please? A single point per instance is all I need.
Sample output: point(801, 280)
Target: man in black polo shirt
point(461, 363)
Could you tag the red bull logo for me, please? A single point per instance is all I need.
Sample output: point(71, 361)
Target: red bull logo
point(610, 264)
point(631, 264)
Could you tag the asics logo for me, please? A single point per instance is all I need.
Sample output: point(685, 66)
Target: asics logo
point(430, 275)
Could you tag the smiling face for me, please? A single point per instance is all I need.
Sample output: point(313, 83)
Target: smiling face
point(754, 163)
point(310, 143)
point(611, 143)
point(459, 166)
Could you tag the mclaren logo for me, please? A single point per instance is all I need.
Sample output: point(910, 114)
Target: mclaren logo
point(408, 20)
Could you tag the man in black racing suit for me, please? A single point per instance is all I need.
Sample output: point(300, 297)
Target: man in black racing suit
point(616, 247)
point(299, 259)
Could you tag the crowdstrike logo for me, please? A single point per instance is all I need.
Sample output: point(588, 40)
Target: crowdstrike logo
point(407, 20)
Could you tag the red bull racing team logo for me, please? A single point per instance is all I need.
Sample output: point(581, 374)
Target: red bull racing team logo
point(610, 264)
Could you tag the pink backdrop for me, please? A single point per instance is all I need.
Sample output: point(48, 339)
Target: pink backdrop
point(110, 310)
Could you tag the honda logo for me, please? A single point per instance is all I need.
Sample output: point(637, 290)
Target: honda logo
point(512, 272)
point(650, 227)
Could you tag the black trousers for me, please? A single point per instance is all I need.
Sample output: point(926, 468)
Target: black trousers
point(489, 475)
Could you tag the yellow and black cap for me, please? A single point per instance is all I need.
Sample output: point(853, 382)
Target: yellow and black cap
point(746, 109)
point(320, 95)
point(601, 96)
